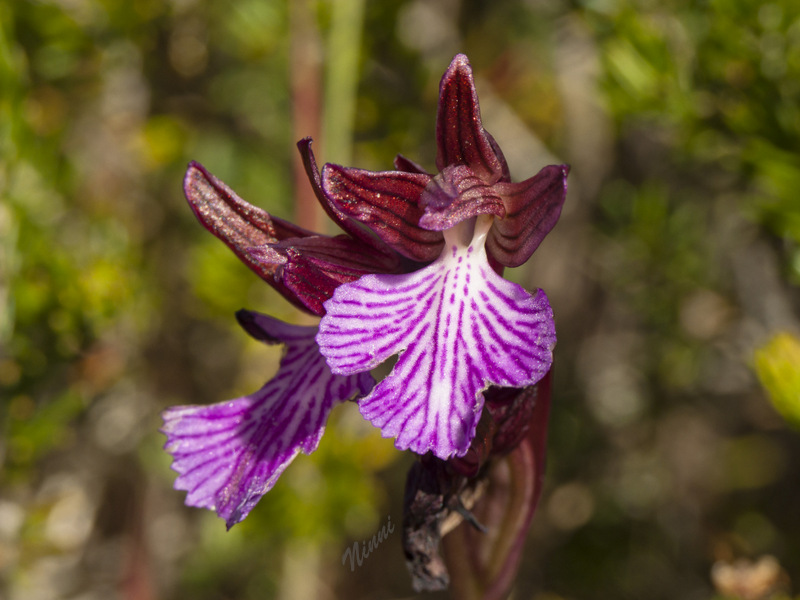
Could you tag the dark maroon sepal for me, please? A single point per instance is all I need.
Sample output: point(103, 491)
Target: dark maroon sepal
point(401, 163)
point(457, 194)
point(341, 254)
point(309, 269)
point(460, 135)
point(236, 222)
point(306, 283)
point(532, 210)
point(388, 203)
point(506, 175)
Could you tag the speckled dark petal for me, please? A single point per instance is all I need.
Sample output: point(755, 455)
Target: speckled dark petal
point(236, 222)
point(334, 212)
point(311, 268)
point(460, 135)
point(457, 194)
point(386, 202)
point(532, 210)
point(239, 224)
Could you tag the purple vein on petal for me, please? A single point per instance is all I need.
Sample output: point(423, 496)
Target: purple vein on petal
point(228, 455)
point(449, 352)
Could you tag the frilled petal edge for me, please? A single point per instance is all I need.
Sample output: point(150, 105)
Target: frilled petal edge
point(228, 455)
point(458, 328)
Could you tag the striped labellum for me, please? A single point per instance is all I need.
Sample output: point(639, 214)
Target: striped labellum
point(458, 327)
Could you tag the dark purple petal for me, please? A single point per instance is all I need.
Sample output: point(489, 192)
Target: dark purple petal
point(336, 215)
point(457, 194)
point(457, 326)
point(311, 268)
point(341, 218)
point(401, 163)
point(341, 254)
point(506, 176)
point(460, 135)
point(386, 202)
point(237, 223)
point(228, 455)
point(532, 210)
point(306, 284)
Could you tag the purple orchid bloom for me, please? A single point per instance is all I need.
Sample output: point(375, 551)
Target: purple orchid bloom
point(457, 325)
point(417, 273)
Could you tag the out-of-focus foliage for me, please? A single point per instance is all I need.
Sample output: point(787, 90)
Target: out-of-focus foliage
point(777, 364)
point(677, 256)
point(722, 80)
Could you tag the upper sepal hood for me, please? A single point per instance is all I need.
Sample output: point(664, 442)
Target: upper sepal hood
point(408, 208)
point(460, 136)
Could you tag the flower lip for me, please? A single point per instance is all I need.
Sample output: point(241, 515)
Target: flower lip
point(457, 327)
point(228, 455)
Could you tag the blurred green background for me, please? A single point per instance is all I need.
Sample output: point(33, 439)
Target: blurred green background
point(674, 266)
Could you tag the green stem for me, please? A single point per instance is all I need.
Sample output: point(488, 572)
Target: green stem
point(341, 85)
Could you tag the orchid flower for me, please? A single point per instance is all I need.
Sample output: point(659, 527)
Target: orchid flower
point(417, 273)
point(457, 325)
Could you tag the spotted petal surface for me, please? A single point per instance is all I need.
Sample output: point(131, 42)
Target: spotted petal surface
point(388, 203)
point(230, 454)
point(460, 136)
point(457, 326)
point(236, 222)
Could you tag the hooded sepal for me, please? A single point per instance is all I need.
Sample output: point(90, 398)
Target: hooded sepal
point(455, 195)
point(460, 135)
